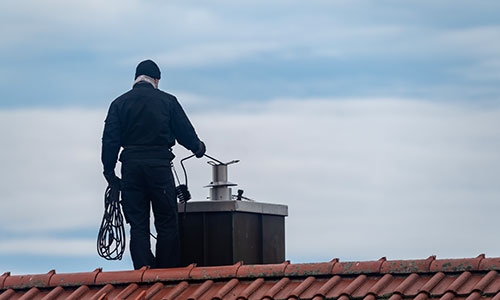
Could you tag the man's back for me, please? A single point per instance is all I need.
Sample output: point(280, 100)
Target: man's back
point(146, 122)
point(145, 115)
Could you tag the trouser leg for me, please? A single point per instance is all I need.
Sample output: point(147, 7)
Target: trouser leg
point(136, 209)
point(163, 198)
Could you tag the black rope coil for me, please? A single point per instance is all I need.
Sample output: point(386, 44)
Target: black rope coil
point(183, 193)
point(111, 237)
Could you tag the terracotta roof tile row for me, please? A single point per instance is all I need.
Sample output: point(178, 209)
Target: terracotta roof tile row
point(450, 279)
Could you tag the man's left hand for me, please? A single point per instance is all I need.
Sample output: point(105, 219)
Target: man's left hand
point(112, 179)
point(201, 150)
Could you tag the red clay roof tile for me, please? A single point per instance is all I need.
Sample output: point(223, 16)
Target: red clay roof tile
point(153, 290)
point(494, 286)
point(30, 294)
point(3, 277)
point(396, 297)
point(7, 294)
point(176, 291)
point(310, 269)
point(358, 267)
point(448, 279)
point(485, 281)
point(80, 291)
point(328, 286)
point(447, 296)
point(251, 288)
point(474, 296)
point(490, 263)
point(173, 274)
point(497, 297)
point(120, 276)
point(54, 293)
point(457, 265)
point(25, 281)
point(276, 288)
point(354, 285)
point(71, 279)
point(407, 266)
point(203, 288)
point(127, 291)
point(458, 282)
point(229, 286)
point(297, 291)
point(102, 292)
point(430, 284)
point(468, 286)
point(380, 284)
point(422, 296)
point(406, 284)
point(215, 272)
point(274, 270)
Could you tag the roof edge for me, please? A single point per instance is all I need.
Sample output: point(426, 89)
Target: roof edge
point(241, 271)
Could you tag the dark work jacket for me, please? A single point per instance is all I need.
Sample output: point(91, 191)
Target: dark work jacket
point(145, 122)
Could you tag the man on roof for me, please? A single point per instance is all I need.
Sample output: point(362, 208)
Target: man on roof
point(146, 122)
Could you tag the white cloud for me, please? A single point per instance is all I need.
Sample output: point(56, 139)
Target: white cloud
point(478, 41)
point(49, 246)
point(202, 54)
point(362, 178)
point(485, 70)
point(368, 178)
point(183, 34)
point(51, 169)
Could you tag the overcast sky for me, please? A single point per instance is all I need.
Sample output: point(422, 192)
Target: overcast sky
point(376, 122)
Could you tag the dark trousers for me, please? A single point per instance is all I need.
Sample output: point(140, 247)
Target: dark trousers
point(145, 182)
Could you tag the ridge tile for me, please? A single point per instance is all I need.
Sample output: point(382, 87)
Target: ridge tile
point(215, 272)
point(407, 266)
point(310, 269)
point(71, 279)
point(253, 271)
point(358, 267)
point(172, 274)
point(421, 279)
point(117, 277)
point(456, 265)
point(28, 281)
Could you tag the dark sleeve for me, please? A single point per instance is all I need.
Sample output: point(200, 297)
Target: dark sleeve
point(110, 140)
point(183, 130)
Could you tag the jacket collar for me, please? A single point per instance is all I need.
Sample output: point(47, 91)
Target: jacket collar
point(143, 84)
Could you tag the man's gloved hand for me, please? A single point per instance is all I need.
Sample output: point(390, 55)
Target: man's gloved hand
point(112, 179)
point(201, 150)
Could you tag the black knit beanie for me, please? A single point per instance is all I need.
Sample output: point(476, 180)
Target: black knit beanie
point(148, 68)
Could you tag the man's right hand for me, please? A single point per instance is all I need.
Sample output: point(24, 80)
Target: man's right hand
point(201, 150)
point(112, 179)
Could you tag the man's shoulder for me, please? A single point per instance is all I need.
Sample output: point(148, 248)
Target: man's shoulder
point(123, 96)
point(166, 95)
point(135, 93)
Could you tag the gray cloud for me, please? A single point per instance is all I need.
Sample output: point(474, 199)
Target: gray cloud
point(365, 173)
point(49, 246)
point(266, 51)
point(363, 178)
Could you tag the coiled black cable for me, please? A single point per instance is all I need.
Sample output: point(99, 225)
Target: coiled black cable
point(181, 190)
point(111, 237)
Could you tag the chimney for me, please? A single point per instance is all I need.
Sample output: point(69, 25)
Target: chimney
point(230, 228)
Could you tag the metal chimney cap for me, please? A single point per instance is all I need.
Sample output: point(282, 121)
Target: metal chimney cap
point(213, 163)
point(220, 184)
point(235, 205)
